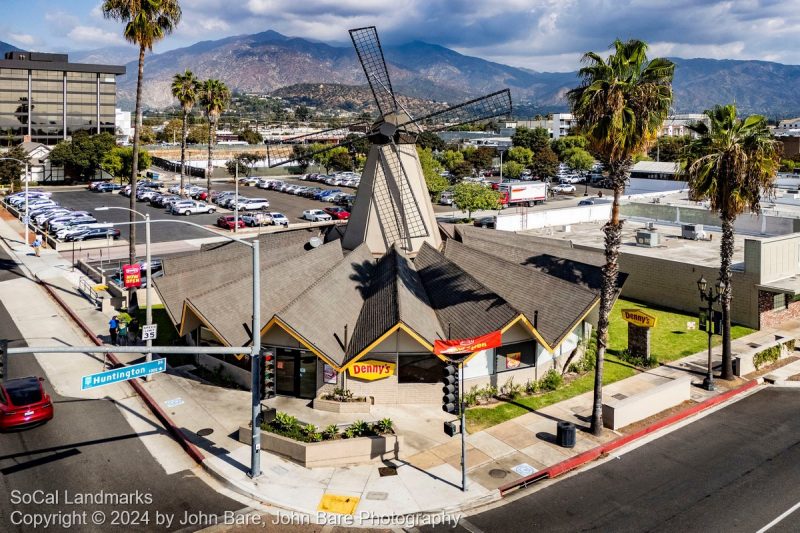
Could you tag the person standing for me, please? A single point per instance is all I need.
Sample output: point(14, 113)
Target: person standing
point(123, 333)
point(113, 328)
point(37, 244)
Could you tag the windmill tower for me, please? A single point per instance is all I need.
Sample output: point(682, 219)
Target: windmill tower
point(392, 205)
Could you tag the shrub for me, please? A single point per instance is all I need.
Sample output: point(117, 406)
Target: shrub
point(531, 386)
point(487, 393)
point(638, 361)
point(471, 397)
point(359, 428)
point(330, 432)
point(382, 426)
point(511, 390)
point(551, 381)
point(767, 357)
point(311, 434)
point(284, 422)
point(340, 394)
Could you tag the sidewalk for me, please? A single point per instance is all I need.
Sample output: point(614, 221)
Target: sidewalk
point(428, 477)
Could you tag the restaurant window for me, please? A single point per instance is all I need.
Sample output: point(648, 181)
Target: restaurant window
point(515, 356)
point(425, 368)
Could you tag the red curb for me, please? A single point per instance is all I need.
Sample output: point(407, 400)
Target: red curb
point(590, 455)
point(162, 416)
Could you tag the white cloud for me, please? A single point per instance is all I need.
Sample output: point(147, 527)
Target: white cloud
point(89, 35)
point(23, 39)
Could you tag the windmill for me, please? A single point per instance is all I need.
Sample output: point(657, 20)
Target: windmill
point(392, 206)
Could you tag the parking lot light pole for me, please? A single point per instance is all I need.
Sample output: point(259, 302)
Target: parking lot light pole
point(27, 179)
point(708, 296)
point(236, 198)
point(149, 271)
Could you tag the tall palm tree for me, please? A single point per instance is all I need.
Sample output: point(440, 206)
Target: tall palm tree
point(214, 97)
point(619, 106)
point(186, 88)
point(732, 163)
point(146, 23)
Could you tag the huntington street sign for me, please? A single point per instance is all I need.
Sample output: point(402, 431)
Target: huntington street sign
point(124, 373)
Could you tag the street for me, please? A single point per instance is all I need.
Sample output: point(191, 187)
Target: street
point(734, 470)
point(88, 449)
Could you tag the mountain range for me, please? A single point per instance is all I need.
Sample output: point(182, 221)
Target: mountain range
point(269, 61)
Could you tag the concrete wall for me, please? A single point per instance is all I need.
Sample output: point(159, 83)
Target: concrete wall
point(774, 258)
point(747, 223)
point(620, 413)
point(553, 217)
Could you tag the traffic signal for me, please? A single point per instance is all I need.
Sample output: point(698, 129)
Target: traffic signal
point(450, 400)
point(4, 359)
point(267, 376)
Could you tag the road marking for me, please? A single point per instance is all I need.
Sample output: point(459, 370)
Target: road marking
point(789, 511)
point(469, 526)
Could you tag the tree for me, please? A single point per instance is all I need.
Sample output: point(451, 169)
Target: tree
point(82, 155)
point(300, 155)
point(214, 97)
point(732, 163)
point(146, 23)
point(451, 158)
point(198, 134)
point(480, 157)
point(171, 131)
point(428, 139)
point(246, 160)
point(147, 135)
point(10, 171)
point(544, 163)
point(359, 143)
point(668, 148)
point(521, 155)
point(119, 162)
point(186, 89)
point(562, 144)
point(432, 170)
point(461, 170)
point(619, 107)
point(787, 165)
point(578, 159)
point(340, 159)
point(534, 139)
point(302, 113)
point(250, 136)
point(475, 197)
point(513, 170)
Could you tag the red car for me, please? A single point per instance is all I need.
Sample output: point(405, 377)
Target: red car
point(227, 222)
point(24, 402)
point(337, 213)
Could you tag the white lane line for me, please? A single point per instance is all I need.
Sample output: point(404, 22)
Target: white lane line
point(469, 526)
point(789, 511)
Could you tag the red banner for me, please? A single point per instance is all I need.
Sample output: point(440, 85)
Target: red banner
point(464, 346)
point(131, 276)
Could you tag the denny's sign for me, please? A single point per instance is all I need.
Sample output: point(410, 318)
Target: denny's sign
point(371, 370)
point(637, 317)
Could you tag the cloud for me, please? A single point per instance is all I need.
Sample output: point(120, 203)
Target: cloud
point(93, 36)
point(23, 39)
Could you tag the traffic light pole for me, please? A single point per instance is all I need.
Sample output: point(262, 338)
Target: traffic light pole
point(463, 427)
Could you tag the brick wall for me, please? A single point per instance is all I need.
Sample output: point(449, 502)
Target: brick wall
point(771, 317)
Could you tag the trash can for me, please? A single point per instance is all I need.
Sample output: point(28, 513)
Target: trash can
point(565, 434)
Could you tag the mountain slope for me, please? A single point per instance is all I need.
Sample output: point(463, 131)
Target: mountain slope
point(6, 47)
point(267, 61)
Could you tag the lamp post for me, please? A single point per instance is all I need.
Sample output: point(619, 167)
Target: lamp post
point(148, 273)
point(709, 295)
point(501, 150)
point(27, 179)
point(235, 197)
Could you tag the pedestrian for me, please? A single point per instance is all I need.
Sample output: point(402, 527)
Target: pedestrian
point(113, 327)
point(133, 330)
point(123, 333)
point(37, 244)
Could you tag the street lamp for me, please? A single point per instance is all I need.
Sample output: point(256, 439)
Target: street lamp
point(147, 301)
point(27, 179)
point(235, 197)
point(709, 295)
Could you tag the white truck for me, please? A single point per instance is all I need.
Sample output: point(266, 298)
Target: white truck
point(521, 192)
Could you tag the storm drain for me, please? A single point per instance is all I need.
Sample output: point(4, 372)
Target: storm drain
point(387, 471)
point(205, 432)
point(619, 396)
point(498, 473)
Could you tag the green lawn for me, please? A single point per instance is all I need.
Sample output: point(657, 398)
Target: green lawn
point(669, 340)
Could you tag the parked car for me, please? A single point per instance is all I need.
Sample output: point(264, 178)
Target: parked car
point(257, 219)
point(485, 222)
point(107, 187)
point(229, 222)
point(562, 188)
point(279, 219)
point(252, 204)
point(339, 213)
point(316, 215)
point(44, 217)
point(93, 233)
point(248, 181)
point(71, 221)
point(144, 195)
point(192, 207)
point(24, 402)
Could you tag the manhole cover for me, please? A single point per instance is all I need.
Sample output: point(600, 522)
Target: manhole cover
point(376, 496)
point(498, 473)
point(205, 432)
point(387, 471)
point(619, 396)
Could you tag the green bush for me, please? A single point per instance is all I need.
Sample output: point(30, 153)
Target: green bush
point(551, 380)
point(640, 362)
point(383, 426)
point(767, 357)
point(487, 393)
point(340, 394)
point(471, 397)
point(311, 434)
point(359, 428)
point(531, 386)
point(330, 432)
point(511, 390)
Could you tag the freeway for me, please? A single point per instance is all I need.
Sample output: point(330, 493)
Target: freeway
point(733, 470)
point(88, 448)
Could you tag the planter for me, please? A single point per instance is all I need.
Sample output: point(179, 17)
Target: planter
point(339, 452)
point(333, 406)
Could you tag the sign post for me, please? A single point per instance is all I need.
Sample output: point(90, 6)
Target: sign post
point(149, 332)
point(639, 325)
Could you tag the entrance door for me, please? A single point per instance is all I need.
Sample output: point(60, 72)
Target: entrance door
point(308, 376)
point(285, 374)
point(295, 373)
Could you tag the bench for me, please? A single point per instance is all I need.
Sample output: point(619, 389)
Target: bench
point(618, 413)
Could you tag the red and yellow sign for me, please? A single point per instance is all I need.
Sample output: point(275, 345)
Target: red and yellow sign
point(464, 346)
point(372, 370)
point(637, 317)
point(132, 275)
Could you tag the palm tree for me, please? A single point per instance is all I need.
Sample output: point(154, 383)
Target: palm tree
point(186, 88)
point(619, 106)
point(214, 97)
point(146, 22)
point(732, 163)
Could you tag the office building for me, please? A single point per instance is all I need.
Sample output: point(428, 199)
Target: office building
point(44, 98)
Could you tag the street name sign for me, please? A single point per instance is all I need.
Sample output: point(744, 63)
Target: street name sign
point(124, 373)
point(149, 332)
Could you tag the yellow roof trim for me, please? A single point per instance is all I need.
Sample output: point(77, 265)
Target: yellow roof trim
point(370, 346)
point(188, 306)
point(275, 321)
point(416, 336)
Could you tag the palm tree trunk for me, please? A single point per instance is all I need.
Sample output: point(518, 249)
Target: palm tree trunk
point(183, 152)
point(613, 238)
point(726, 256)
point(209, 168)
point(135, 162)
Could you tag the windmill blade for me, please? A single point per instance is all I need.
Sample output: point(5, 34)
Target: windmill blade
point(311, 154)
point(400, 214)
point(370, 54)
point(492, 105)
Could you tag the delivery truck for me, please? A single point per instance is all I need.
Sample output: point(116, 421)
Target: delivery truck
point(516, 193)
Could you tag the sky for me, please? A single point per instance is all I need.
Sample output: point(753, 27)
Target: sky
point(543, 35)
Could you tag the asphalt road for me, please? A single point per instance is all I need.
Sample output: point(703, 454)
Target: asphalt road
point(88, 447)
point(734, 470)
